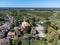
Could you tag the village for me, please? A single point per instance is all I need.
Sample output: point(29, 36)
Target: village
point(24, 28)
point(6, 32)
point(29, 22)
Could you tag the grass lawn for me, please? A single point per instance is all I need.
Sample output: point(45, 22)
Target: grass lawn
point(34, 42)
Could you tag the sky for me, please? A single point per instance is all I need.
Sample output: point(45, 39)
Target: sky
point(30, 3)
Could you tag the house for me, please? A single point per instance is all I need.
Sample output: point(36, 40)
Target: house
point(40, 29)
point(11, 34)
point(1, 34)
point(1, 23)
point(28, 37)
point(17, 31)
point(25, 24)
point(33, 30)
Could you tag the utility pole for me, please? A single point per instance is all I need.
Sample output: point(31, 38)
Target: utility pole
point(29, 41)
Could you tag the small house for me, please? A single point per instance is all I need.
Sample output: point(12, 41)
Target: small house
point(25, 24)
point(17, 31)
point(1, 34)
point(11, 34)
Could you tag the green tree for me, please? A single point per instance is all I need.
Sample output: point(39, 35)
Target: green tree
point(9, 43)
point(15, 41)
point(27, 29)
point(52, 36)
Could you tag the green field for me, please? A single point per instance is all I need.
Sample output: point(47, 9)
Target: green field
point(34, 42)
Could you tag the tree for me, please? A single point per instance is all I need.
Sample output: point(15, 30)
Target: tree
point(52, 36)
point(15, 41)
point(9, 43)
point(31, 21)
point(27, 29)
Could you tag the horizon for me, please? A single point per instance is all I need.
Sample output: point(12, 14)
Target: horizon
point(33, 7)
point(30, 3)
